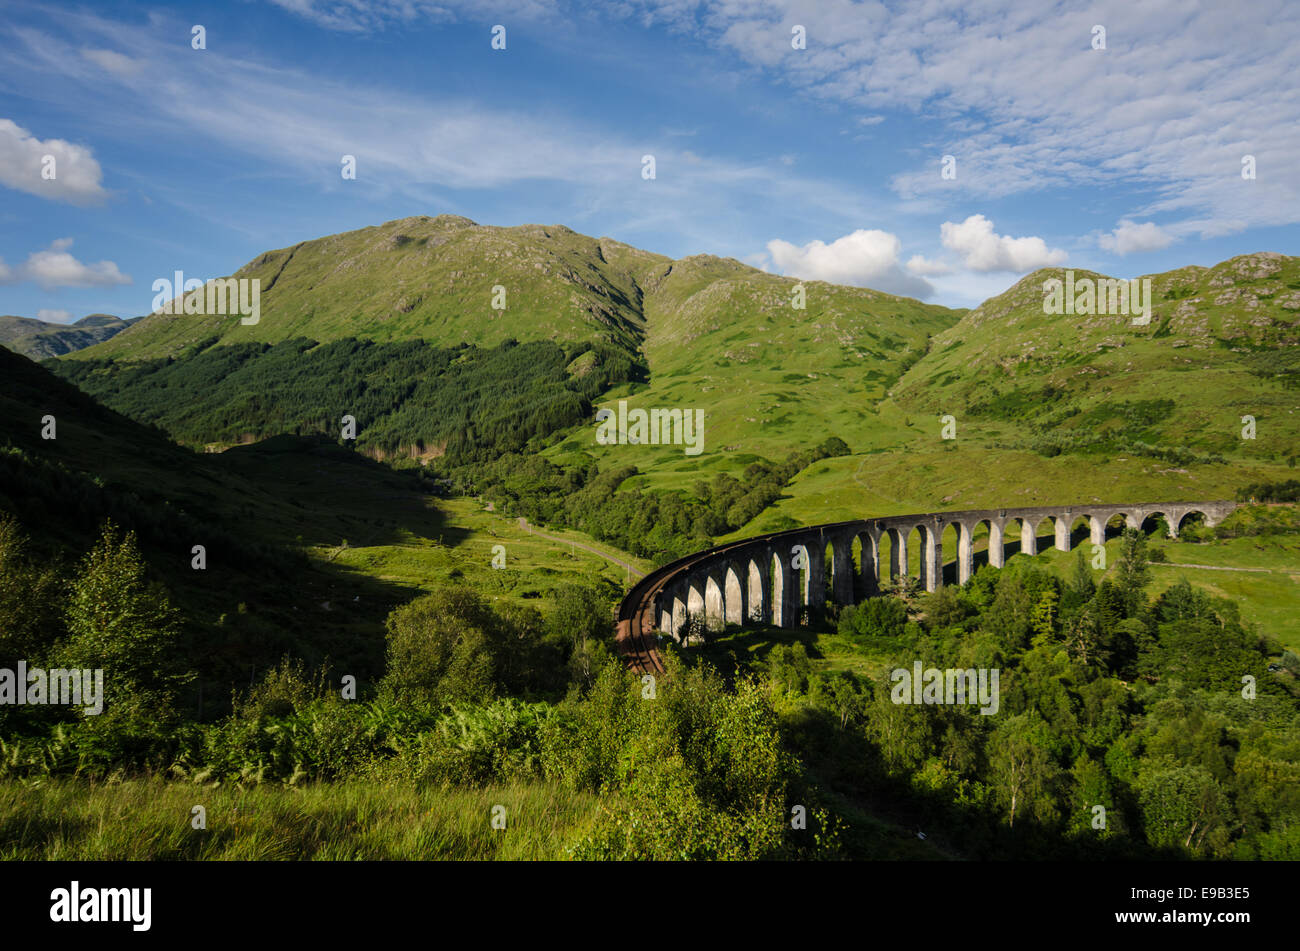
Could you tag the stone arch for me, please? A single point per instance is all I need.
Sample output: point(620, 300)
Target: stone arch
point(733, 596)
point(980, 532)
point(784, 588)
point(886, 554)
point(910, 544)
point(694, 599)
point(1013, 536)
point(1188, 518)
point(1115, 524)
point(1060, 531)
point(998, 541)
point(1079, 528)
point(759, 602)
point(1030, 525)
point(713, 600)
point(813, 582)
point(841, 569)
point(856, 567)
point(1155, 522)
point(680, 610)
point(869, 552)
point(955, 536)
point(930, 555)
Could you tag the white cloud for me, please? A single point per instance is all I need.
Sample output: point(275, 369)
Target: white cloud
point(55, 267)
point(983, 250)
point(407, 143)
point(862, 259)
point(23, 159)
point(54, 316)
point(116, 63)
point(1130, 236)
point(360, 16)
point(917, 264)
point(1168, 109)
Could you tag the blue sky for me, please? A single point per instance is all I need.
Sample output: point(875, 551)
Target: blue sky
point(823, 162)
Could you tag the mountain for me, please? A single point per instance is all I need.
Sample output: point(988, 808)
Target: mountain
point(429, 279)
point(40, 339)
point(711, 332)
point(390, 323)
point(1222, 343)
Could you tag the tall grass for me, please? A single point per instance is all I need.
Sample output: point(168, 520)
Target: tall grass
point(150, 819)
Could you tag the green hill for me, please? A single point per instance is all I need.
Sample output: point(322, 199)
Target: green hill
point(711, 332)
point(393, 323)
point(427, 279)
point(39, 339)
point(1222, 343)
point(770, 379)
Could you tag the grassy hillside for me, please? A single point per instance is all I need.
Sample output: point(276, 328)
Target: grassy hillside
point(40, 339)
point(701, 333)
point(770, 379)
point(1047, 408)
point(309, 544)
point(1223, 343)
point(427, 279)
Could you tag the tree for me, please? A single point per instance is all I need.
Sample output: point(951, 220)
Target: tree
point(1085, 638)
point(1092, 788)
point(441, 649)
point(1183, 602)
point(1184, 807)
point(1044, 617)
point(1022, 770)
point(944, 607)
point(847, 699)
point(1132, 570)
point(29, 621)
point(1010, 616)
point(1082, 583)
point(584, 617)
point(124, 624)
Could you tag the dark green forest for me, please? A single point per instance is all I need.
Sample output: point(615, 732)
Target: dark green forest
point(480, 415)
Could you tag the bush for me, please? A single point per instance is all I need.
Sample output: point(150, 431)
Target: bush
point(874, 617)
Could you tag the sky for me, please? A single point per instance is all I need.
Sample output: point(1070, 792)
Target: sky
point(937, 150)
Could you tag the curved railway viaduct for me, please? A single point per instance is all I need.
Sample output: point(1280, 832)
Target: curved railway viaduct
point(771, 578)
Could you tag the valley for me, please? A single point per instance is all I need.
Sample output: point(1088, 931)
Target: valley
point(459, 555)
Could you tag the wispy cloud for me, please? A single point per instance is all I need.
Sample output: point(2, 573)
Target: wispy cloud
point(1179, 95)
point(298, 124)
point(364, 16)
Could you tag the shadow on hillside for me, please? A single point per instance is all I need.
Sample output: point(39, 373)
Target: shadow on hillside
point(328, 493)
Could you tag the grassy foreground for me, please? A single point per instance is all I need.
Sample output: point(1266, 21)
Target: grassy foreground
point(151, 819)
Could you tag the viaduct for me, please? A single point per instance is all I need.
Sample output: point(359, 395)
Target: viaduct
point(770, 579)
